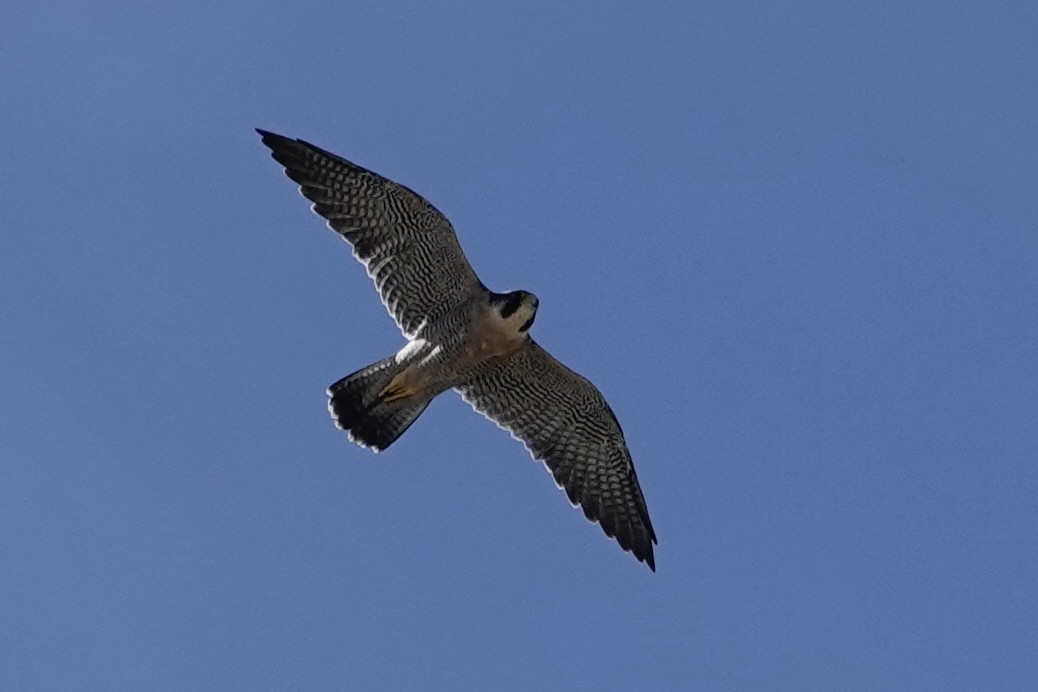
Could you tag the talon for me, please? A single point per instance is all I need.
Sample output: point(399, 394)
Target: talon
point(394, 391)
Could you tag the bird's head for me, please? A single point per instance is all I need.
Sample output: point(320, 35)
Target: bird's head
point(518, 308)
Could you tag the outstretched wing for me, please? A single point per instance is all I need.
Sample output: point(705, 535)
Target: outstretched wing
point(407, 246)
point(565, 421)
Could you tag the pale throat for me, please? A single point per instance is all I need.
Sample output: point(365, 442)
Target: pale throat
point(493, 335)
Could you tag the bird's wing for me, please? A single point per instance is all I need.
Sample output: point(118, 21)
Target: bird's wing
point(565, 421)
point(408, 247)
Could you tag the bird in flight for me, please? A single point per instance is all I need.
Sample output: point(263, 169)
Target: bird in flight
point(463, 336)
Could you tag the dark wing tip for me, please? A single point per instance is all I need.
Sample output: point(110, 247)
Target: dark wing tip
point(285, 148)
point(281, 145)
point(294, 155)
point(272, 139)
point(645, 554)
point(641, 545)
point(632, 532)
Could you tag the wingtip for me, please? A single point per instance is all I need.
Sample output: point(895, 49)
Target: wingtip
point(273, 139)
point(267, 136)
point(647, 557)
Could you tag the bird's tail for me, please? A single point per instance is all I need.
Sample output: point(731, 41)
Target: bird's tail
point(359, 405)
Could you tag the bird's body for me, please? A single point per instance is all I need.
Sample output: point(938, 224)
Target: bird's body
point(463, 336)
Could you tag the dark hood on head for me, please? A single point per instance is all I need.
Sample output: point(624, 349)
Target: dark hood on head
point(510, 302)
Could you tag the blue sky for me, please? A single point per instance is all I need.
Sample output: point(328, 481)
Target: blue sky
point(795, 246)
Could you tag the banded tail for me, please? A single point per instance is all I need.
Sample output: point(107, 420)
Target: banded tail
point(371, 420)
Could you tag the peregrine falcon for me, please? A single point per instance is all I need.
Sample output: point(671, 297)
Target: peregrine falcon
point(463, 336)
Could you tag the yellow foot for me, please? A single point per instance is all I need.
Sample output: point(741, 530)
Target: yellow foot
point(396, 390)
